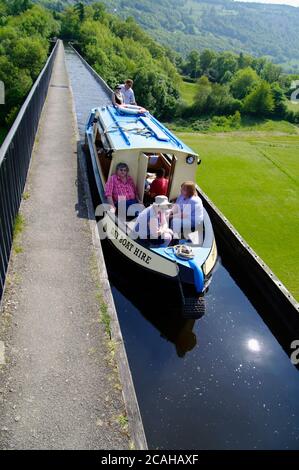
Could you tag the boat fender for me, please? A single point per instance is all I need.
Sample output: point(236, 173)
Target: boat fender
point(132, 110)
point(199, 280)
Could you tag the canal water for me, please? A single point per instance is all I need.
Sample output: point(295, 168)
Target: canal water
point(221, 382)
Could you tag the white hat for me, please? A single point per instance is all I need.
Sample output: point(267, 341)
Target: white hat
point(161, 201)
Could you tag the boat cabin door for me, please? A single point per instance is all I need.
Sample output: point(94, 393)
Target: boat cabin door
point(141, 174)
point(171, 175)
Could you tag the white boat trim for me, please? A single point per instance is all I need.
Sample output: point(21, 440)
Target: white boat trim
point(133, 250)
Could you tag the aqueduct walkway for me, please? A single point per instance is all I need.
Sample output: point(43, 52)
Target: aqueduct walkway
point(58, 390)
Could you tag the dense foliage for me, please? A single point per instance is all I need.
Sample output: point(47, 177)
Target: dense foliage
point(119, 49)
point(183, 25)
point(24, 45)
point(228, 83)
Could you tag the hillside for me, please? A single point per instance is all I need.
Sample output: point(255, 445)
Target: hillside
point(259, 29)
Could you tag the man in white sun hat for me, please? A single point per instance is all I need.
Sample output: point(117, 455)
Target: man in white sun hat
point(152, 222)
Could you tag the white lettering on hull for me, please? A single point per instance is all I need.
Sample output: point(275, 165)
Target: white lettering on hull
point(137, 253)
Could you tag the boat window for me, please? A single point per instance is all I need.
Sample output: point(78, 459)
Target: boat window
point(104, 157)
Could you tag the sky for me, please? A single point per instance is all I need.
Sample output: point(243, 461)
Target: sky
point(294, 3)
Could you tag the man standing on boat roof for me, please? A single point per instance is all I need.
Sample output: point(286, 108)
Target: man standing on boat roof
point(127, 92)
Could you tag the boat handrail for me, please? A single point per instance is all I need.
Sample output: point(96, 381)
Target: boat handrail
point(169, 134)
point(119, 127)
point(157, 133)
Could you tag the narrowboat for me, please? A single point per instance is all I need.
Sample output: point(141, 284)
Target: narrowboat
point(142, 142)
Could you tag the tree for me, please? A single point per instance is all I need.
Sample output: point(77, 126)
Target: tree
point(15, 7)
point(258, 64)
point(80, 10)
point(227, 77)
point(70, 25)
point(118, 49)
point(17, 84)
point(207, 57)
point(23, 51)
point(244, 60)
point(260, 101)
point(243, 82)
point(155, 91)
point(203, 92)
point(214, 98)
point(3, 12)
point(29, 53)
point(99, 11)
point(220, 100)
point(271, 72)
point(225, 62)
point(280, 105)
point(192, 65)
point(36, 21)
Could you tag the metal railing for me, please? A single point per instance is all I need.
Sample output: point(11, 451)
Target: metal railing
point(15, 155)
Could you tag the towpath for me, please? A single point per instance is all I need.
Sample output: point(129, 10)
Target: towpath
point(58, 385)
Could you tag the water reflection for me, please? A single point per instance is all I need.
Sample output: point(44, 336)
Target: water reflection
point(234, 389)
point(253, 345)
point(186, 339)
point(160, 305)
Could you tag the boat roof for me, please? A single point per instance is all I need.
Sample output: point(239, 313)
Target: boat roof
point(139, 131)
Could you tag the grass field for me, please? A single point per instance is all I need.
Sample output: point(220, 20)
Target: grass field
point(188, 91)
point(253, 179)
point(251, 124)
point(248, 124)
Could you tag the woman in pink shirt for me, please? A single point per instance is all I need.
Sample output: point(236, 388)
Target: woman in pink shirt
point(121, 187)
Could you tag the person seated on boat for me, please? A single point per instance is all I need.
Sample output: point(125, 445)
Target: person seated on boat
point(120, 188)
point(122, 103)
point(187, 212)
point(147, 200)
point(159, 185)
point(152, 224)
point(118, 97)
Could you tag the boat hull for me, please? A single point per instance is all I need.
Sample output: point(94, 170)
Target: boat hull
point(149, 259)
point(135, 251)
